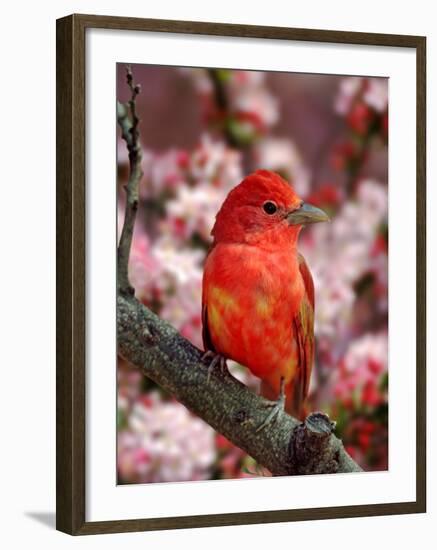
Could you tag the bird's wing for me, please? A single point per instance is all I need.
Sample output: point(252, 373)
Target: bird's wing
point(206, 335)
point(307, 279)
point(303, 334)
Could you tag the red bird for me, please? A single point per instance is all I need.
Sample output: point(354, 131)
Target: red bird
point(258, 293)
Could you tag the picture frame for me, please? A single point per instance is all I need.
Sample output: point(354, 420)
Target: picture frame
point(73, 405)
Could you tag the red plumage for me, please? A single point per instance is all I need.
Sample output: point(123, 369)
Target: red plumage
point(258, 293)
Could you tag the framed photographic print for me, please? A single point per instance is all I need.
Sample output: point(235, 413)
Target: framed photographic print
point(240, 274)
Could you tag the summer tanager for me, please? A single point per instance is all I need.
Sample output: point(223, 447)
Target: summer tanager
point(258, 293)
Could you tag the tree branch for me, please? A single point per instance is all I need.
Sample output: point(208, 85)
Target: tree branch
point(128, 121)
point(289, 446)
point(221, 101)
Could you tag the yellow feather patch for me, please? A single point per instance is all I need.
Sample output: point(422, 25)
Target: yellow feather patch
point(222, 298)
point(263, 307)
point(219, 304)
point(214, 317)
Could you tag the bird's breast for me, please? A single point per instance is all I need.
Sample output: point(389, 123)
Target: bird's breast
point(251, 297)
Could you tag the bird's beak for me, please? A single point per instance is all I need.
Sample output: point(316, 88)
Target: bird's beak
point(307, 213)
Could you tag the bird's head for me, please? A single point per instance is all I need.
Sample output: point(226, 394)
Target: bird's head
point(264, 210)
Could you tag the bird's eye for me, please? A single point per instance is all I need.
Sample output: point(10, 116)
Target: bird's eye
point(270, 207)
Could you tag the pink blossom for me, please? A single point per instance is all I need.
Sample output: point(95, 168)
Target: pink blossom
point(145, 269)
point(348, 90)
point(249, 101)
point(128, 383)
point(178, 265)
point(281, 155)
point(202, 81)
point(156, 270)
point(163, 172)
point(164, 442)
point(183, 310)
point(365, 360)
point(327, 195)
point(248, 94)
point(192, 210)
point(340, 252)
point(373, 91)
point(376, 94)
point(214, 163)
point(360, 118)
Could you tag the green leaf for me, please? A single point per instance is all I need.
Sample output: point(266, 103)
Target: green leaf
point(243, 134)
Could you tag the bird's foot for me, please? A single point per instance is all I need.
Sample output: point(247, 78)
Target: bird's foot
point(277, 407)
point(216, 360)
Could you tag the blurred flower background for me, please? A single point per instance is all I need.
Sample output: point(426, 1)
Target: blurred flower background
point(202, 130)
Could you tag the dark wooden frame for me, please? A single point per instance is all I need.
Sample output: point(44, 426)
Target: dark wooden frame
point(70, 206)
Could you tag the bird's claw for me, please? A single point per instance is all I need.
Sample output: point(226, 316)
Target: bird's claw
point(207, 355)
point(277, 407)
point(217, 360)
